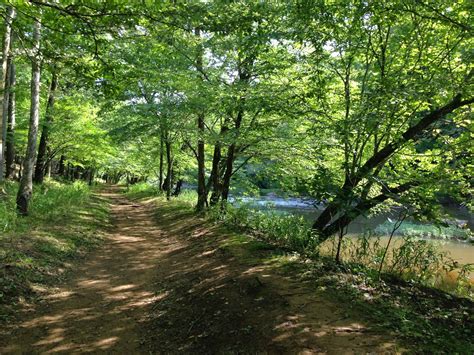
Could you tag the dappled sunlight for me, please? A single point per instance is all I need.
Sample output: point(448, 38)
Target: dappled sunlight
point(225, 305)
point(100, 307)
point(172, 277)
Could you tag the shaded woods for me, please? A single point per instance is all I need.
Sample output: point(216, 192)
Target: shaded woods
point(360, 109)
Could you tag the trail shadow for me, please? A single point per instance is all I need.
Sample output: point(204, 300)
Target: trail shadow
point(101, 304)
point(169, 282)
point(215, 298)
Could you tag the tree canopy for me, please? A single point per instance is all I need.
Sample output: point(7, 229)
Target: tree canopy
point(359, 105)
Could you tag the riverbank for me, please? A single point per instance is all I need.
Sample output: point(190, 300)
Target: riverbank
point(425, 320)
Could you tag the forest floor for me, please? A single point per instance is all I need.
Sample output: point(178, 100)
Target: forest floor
point(166, 281)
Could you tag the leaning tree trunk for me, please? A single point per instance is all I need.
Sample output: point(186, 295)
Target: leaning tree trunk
point(41, 160)
point(332, 218)
point(4, 92)
point(11, 121)
point(26, 183)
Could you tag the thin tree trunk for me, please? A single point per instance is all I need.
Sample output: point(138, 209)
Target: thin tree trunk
point(161, 162)
point(20, 163)
point(4, 94)
point(202, 193)
point(201, 190)
point(215, 178)
point(26, 183)
point(91, 177)
point(10, 143)
point(44, 140)
point(47, 170)
point(61, 169)
point(169, 161)
point(4, 125)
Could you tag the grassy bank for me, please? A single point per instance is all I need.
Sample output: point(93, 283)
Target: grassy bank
point(411, 258)
point(35, 251)
point(425, 319)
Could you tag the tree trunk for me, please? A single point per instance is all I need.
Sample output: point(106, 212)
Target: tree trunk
point(47, 169)
point(177, 189)
point(77, 173)
point(201, 190)
point(169, 161)
point(68, 172)
point(231, 157)
point(325, 226)
point(228, 172)
point(26, 183)
point(4, 92)
point(215, 178)
point(61, 169)
point(161, 162)
point(44, 140)
point(91, 177)
point(202, 193)
point(19, 161)
point(10, 143)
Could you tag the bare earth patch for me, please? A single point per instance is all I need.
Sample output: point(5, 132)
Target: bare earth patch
point(163, 283)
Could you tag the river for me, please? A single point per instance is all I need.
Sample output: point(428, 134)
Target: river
point(462, 252)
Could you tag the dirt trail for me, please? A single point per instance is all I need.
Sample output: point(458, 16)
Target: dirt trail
point(162, 284)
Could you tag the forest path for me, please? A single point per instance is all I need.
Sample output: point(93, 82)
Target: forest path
point(163, 283)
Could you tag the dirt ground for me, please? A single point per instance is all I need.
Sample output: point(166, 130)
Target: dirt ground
point(163, 283)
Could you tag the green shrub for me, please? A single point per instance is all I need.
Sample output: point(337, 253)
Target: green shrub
point(142, 190)
point(188, 196)
point(286, 230)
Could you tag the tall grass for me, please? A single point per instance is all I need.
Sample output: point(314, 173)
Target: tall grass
point(49, 202)
point(412, 259)
point(63, 222)
point(142, 190)
point(287, 231)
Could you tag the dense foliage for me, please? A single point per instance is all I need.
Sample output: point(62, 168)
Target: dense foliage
point(360, 106)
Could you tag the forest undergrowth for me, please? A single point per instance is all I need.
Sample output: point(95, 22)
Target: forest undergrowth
point(36, 251)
